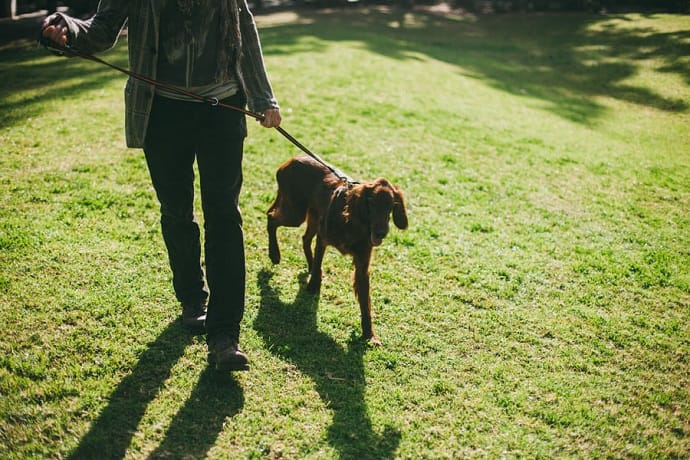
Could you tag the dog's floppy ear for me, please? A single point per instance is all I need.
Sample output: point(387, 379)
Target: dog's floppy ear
point(399, 212)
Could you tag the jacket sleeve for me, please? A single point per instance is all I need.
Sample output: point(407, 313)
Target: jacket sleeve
point(101, 31)
point(251, 64)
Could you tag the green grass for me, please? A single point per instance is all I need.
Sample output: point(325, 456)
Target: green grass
point(538, 305)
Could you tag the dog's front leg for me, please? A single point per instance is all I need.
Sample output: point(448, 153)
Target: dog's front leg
point(362, 291)
point(314, 285)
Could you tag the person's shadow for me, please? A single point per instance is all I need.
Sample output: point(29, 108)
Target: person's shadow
point(195, 427)
point(290, 332)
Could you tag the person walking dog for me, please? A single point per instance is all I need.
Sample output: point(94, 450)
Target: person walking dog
point(210, 48)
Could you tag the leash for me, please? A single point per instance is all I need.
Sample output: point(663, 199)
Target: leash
point(213, 101)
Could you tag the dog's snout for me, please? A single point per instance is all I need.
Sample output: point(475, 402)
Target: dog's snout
point(380, 234)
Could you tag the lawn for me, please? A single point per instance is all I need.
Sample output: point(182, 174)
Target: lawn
point(538, 305)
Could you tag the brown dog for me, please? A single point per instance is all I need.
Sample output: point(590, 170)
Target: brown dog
point(351, 217)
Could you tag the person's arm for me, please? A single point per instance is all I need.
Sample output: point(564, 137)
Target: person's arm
point(95, 34)
point(260, 96)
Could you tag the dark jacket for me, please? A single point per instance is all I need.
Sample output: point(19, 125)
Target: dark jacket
point(142, 17)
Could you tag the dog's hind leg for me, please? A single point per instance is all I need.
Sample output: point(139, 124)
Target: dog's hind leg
point(273, 249)
point(273, 222)
point(314, 284)
point(308, 237)
point(281, 214)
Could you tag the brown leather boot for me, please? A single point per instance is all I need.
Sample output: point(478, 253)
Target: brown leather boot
point(225, 355)
point(194, 315)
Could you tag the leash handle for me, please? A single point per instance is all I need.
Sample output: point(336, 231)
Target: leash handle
point(69, 51)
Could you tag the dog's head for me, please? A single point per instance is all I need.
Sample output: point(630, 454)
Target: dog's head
point(373, 205)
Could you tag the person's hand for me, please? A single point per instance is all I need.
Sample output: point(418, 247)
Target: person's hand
point(271, 119)
point(55, 29)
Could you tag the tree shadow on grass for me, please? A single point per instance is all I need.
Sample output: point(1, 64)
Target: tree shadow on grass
point(565, 60)
point(290, 332)
point(43, 78)
point(195, 427)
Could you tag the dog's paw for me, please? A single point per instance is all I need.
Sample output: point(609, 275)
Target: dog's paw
point(374, 341)
point(274, 255)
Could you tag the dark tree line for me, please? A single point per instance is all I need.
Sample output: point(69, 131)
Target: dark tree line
point(86, 7)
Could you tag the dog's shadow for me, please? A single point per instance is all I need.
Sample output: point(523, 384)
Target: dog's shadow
point(289, 331)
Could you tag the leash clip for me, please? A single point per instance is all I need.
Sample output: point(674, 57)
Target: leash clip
point(214, 102)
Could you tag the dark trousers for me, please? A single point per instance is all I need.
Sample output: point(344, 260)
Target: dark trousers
point(178, 133)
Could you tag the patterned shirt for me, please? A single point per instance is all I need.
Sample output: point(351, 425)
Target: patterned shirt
point(143, 18)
